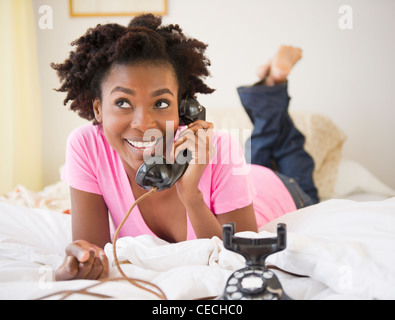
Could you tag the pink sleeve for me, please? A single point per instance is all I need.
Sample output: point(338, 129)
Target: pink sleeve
point(232, 187)
point(80, 166)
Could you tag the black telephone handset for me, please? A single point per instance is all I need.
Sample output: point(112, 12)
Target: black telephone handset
point(155, 172)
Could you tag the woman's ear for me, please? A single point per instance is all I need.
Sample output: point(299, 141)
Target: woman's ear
point(97, 110)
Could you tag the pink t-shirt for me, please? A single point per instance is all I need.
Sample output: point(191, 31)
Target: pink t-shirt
point(227, 184)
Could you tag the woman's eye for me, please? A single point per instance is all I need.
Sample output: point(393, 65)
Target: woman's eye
point(162, 105)
point(123, 104)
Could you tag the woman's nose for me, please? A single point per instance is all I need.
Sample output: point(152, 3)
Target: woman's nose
point(142, 120)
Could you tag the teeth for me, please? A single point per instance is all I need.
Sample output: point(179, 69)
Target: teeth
point(142, 144)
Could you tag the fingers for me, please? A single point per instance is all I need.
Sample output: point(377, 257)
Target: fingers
point(197, 138)
point(196, 126)
point(98, 269)
point(83, 261)
point(87, 269)
point(68, 270)
point(106, 266)
point(79, 250)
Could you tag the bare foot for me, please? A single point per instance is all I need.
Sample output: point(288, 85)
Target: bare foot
point(277, 70)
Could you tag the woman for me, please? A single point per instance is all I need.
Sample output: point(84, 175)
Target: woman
point(130, 81)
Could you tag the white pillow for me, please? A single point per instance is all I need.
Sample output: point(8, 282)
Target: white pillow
point(354, 178)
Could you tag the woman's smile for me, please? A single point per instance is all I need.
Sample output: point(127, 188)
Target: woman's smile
point(145, 148)
point(142, 145)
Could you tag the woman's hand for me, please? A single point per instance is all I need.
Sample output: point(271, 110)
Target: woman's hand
point(84, 261)
point(198, 139)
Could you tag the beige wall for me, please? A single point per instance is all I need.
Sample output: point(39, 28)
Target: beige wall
point(346, 74)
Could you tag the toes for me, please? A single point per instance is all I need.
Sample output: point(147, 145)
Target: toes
point(263, 71)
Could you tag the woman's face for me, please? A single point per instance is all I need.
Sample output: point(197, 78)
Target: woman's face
point(139, 102)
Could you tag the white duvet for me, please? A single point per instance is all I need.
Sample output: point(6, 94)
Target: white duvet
point(345, 248)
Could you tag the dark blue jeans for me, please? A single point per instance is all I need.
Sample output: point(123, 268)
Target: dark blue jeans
point(276, 143)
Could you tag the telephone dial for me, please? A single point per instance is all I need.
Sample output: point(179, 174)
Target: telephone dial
point(255, 282)
point(156, 172)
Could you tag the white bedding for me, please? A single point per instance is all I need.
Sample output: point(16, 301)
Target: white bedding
point(345, 248)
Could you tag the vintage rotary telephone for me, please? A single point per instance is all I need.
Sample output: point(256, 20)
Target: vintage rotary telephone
point(255, 282)
point(155, 172)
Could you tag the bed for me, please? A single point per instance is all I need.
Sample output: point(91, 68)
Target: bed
point(341, 248)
